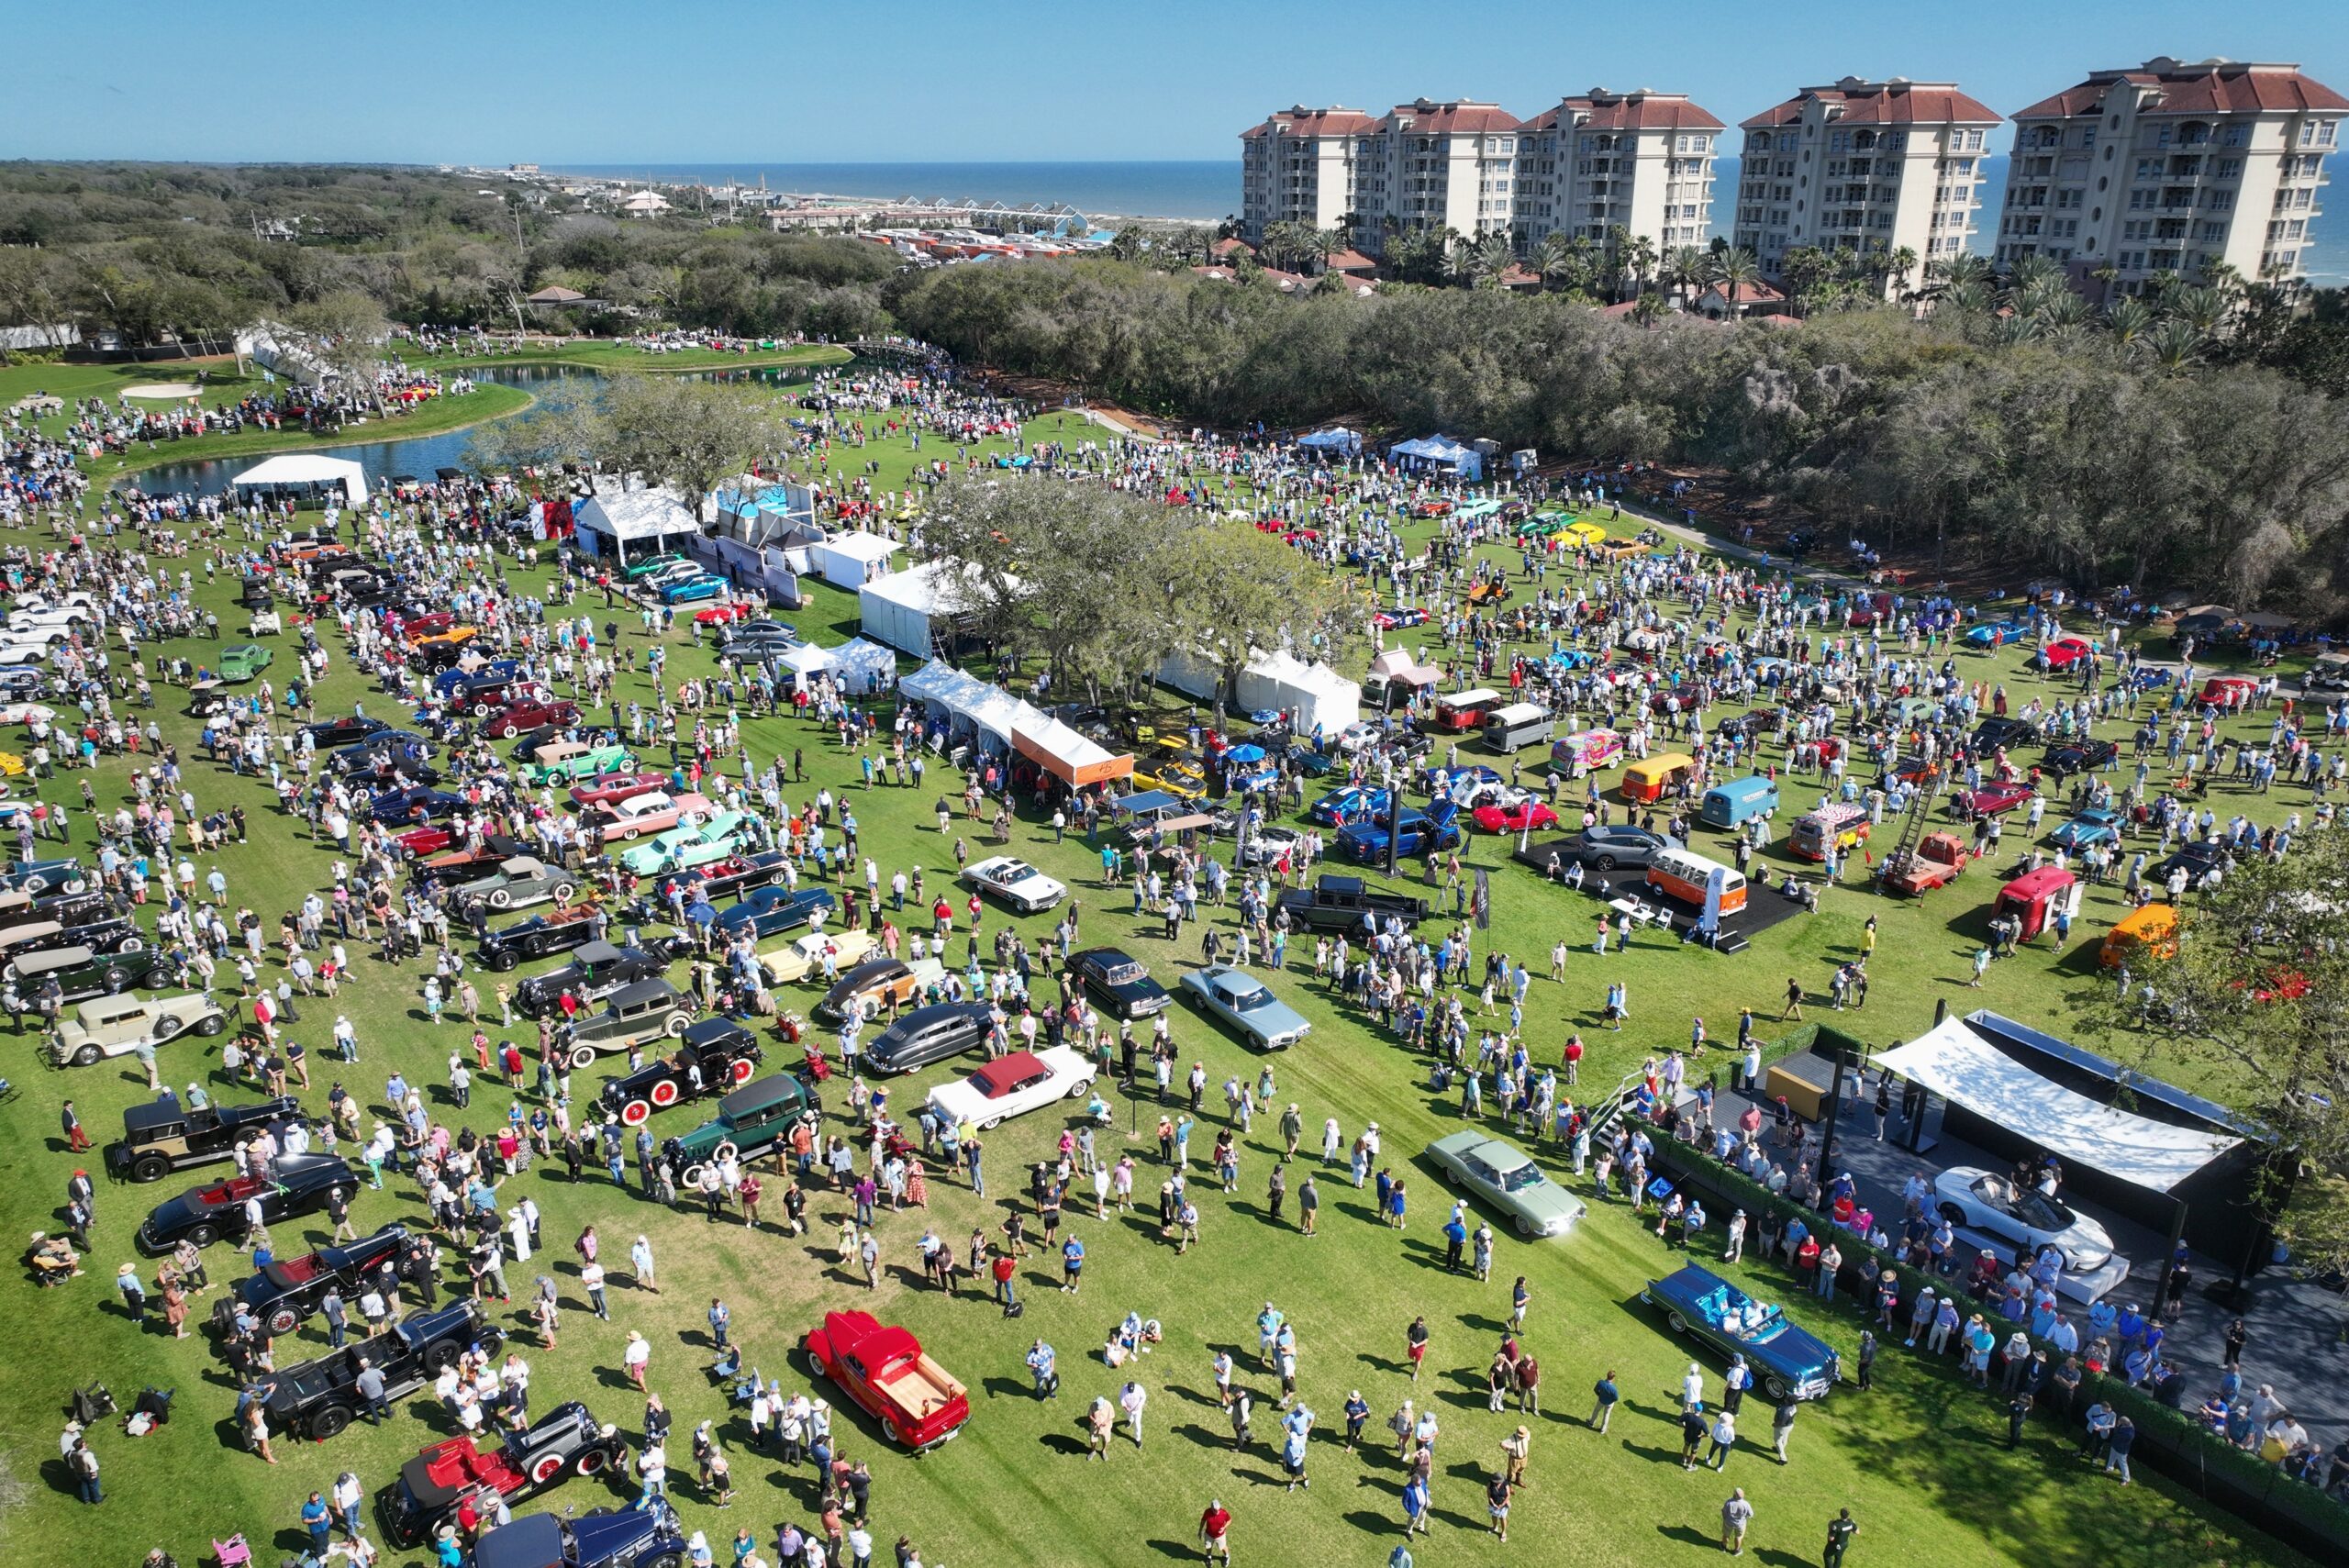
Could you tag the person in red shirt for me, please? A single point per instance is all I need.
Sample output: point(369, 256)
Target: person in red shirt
point(1215, 1531)
point(1003, 1269)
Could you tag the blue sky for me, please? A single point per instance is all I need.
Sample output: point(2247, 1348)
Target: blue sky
point(594, 81)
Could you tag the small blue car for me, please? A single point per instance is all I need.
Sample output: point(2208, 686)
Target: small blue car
point(2095, 826)
point(2001, 633)
point(769, 910)
point(405, 807)
point(1419, 833)
point(1709, 1309)
point(1350, 803)
point(607, 1537)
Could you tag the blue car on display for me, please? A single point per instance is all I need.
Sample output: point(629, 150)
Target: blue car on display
point(449, 680)
point(1352, 803)
point(1709, 1309)
point(769, 910)
point(2002, 633)
point(405, 807)
point(692, 588)
point(2096, 825)
point(1419, 833)
point(607, 1537)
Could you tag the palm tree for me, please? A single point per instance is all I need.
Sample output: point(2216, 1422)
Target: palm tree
point(1322, 244)
point(1554, 258)
point(1126, 244)
point(1900, 264)
point(2030, 270)
point(2172, 345)
point(1972, 297)
point(1612, 266)
point(1734, 271)
point(1648, 307)
point(2204, 309)
point(1804, 268)
point(1639, 259)
point(1683, 270)
point(2127, 319)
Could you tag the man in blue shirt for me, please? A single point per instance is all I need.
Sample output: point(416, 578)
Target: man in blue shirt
point(1041, 1362)
point(1603, 1410)
point(1071, 1265)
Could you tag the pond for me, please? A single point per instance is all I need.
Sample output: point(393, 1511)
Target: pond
point(421, 456)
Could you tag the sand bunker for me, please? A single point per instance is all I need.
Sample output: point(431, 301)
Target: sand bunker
point(164, 389)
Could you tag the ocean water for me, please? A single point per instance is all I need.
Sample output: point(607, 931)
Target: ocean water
point(1208, 190)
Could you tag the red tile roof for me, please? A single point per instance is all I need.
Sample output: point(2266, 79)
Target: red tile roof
point(1224, 250)
point(2208, 88)
point(1350, 262)
point(1640, 111)
point(1882, 102)
point(1458, 117)
point(1755, 293)
point(1288, 283)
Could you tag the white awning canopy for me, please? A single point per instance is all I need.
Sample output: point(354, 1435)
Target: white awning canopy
point(307, 470)
point(1958, 1064)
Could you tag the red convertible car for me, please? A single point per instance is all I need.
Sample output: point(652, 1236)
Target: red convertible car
point(616, 787)
point(1992, 800)
point(2061, 654)
point(718, 615)
point(882, 1367)
point(1515, 818)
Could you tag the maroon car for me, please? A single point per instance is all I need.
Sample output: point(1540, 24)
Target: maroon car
point(1992, 800)
point(523, 713)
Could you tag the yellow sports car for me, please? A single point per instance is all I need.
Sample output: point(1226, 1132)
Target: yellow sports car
point(11, 764)
point(1174, 776)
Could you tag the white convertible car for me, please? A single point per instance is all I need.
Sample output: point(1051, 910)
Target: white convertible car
point(1989, 1210)
point(1012, 1085)
point(1015, 882)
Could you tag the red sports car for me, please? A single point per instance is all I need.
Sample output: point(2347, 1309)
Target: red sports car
point(1993, 800)
point(1518, 818)
point(2061, 654)
point(882, 1368)
point(428, 839)
point(718, 615)
point(616, 787)
point(523, 715)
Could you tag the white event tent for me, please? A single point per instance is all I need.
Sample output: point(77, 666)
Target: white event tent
point(307, 474)
point(852, 559)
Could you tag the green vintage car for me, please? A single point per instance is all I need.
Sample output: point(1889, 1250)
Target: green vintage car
point(243, 660)
point(651, 563)
point(755, 1119)
point(1505, 1176)
point(568, 761)
point(691, 845)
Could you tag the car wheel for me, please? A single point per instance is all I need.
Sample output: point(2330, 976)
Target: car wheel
point(630, 833)
point(593, 1461)
point(328, 1422)
point(562, 892)
point(677, 1025)
point(75, 885)
point(88, 1056)
point(1954, 1214)
point(690, 1177)
point(1525, 1227)
point(725, 1150)
point(1679, 1324)
point(131, 944)
point(440, 1356)
point(202, 1236)
point(167, 1026)
point(1603, 862)
point(776, 880)
point(499, 898)
point(1077, 1088)
point(285, 1320)
point(742, 1070)
point(150, 1168)
point(549, 1466)
point(666, 1560)
point(1776, 1387)
point(583, 1057)
point(990, 1126)
point(501, 961)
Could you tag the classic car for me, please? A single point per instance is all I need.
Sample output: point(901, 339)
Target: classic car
point(283, 1295)
point(1267, 844)
point(498, 1467)
point(595, 971)
point(652, 811)
point(1348, 904)
point(1524, 816)
point(873, 986)
point(528, 713)
point(1414, 832)
point(885, 1370)
point(1606, 846)
point(713, 1056)
point(2020, 1219)
point(557, 930)
point(751, 1122)
point(453, 868)
point(735, 877)
point(928, 1034)
point(1015, 882)
point(1354, 803)
point(1707, 1308)
point(1399, 619)
point(115, 1026)
point(517, 883)
point(334, 734)
point(243, 660)
point(2096, 825)
point(1118, 983)
point(769, 911)
point(207, 1214)
point(627, 1538)
point(82, 973)
point(317, 1399)
point(566, 762)
point(1013, 1085)
point(1990, 800)
point(2197, 859)
point(2004, 633)
point(448, 682)
point(405, 807)
point(1245, 1004)
point(1505, 1176)
point(1938, 857)
point(693, 844)
point(802, 956)
point(2227, 691)
point(29, 933)
point(613, 788)
point(36, 877)
point(1995, 734)
point(2061, 654)
point(2079, 757)
point(158, 1138)
point(632, 1015)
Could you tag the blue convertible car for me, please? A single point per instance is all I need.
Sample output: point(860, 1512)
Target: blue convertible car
point(1707, 1308)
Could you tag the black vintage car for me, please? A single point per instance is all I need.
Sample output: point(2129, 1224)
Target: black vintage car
point(1996, 732)
point(928, 1034)
point(1348, 904)
point(319, 1399)
point(207, 1213)
point(715, 1056)
point(81, 974)
point(2079, 757)
point(607, 1537)
point(541, 935)
point(1118, 983)
point(334, 734)
point(70, 909)
point(158, 1138)
point(283, 1295)
point(502, 1467)
point(110, 936)
point(595, 971)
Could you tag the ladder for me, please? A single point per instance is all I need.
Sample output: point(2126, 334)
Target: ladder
point(1913, 823)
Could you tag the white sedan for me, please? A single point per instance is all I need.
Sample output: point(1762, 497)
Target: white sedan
point(1011, 1085)
point(2022, 1218)
point(1015, 882)
point(26, 713)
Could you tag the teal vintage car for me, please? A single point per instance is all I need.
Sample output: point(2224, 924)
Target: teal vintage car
point(754, 1120)
point(568, 761)
point(243, 660)
point(692, 845)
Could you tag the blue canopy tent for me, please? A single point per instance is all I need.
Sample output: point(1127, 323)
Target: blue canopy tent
point(1336, 438)
point(1442, 454)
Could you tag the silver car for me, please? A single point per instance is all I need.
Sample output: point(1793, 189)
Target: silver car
point(1505, 1176)
point(1247, 1005)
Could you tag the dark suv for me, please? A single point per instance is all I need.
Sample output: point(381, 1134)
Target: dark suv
point(1120, 983)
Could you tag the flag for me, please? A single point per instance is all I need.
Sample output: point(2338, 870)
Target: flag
point(1482, 900)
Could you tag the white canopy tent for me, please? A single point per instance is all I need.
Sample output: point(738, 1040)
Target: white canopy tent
point(632, 522)
point(1953, 1062)
point(1313, 695)
point(929, 685)
point(805, 661)
point(906, 609)
point(307, 474)
point(863, 668)
point(852, 559)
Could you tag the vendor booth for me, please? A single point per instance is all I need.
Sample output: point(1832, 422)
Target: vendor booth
point(863, 668)
point(1438, 455)
point(630, 525)
point(304, 476)
point(851, 560)
point(1337, 441)
point(1077, 760)
point(913, 610)
point(1313, 697)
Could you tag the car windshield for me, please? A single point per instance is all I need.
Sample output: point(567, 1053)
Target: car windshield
point(2042, 1213)
point(1248, 998)
point(1011, 871)
point(1520, 1178)
point(1126, 973)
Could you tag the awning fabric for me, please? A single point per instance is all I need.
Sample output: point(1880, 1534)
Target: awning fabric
point(1961, 1067)
point(1074, 758)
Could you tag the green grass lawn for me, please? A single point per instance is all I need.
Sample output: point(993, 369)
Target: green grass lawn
point(1920, 1460)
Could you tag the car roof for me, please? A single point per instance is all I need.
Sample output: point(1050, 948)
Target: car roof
point(638, 991)
point(762, 1093)
point(705, 1033)
point(595, 952)
point(533, 1541)
point(1005, 1071)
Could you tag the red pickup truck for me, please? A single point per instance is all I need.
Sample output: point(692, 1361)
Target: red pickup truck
point(883, 1369)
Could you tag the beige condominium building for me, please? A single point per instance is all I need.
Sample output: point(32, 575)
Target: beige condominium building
point(1641, 160)
point(2173, 167)
point(1297, 166)
point(1429, 165)
point(1863, 166)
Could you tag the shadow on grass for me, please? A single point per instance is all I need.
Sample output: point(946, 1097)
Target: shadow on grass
point(1688, 1535)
